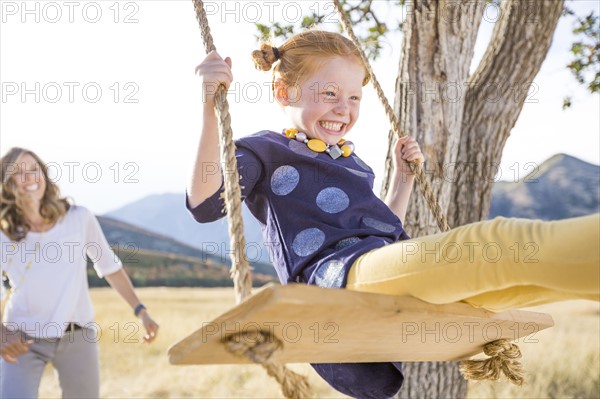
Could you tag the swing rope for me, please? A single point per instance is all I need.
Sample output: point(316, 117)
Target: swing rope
point(258, 349)
point(240, 269)
point(503, 358)
point(504, 354)
point(261, 349)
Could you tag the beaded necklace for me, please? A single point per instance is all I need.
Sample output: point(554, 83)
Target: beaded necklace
point(342, 148)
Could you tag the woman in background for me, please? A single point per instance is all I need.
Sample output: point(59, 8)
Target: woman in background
point(49, 315)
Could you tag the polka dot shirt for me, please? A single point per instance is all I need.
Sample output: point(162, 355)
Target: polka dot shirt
point(318, 214)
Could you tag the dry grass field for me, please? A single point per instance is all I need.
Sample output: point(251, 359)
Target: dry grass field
point(563, 362)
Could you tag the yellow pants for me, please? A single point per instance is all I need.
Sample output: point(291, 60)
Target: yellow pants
point(498, 264)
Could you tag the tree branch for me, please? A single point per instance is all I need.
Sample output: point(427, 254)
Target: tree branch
point(496, 94)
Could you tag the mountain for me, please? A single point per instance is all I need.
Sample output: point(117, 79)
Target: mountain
point(149, 268)
point(166, 214)
point(161, 260)
point(130, 236)
point(561, 187)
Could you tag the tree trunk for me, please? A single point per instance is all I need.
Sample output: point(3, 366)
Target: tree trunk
point(454, 127)
point(433, 380)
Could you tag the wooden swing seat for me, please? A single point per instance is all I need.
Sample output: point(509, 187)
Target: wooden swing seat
point(318, 325)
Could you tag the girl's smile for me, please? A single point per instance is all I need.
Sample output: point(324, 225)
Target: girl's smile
point(327, 104)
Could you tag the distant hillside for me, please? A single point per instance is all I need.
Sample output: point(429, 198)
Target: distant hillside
point(166, 214)
point(155, 259)
point(124, 233)
point(562, 187)
point(149, 268)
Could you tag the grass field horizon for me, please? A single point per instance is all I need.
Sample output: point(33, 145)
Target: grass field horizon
point(563, 361)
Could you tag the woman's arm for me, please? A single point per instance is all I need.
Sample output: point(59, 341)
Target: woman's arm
point(401, 182)
point(120, 281)
point(109, 266)
point(206, 175)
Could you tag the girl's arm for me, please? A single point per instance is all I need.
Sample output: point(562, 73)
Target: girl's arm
point(206, 175)
point(120, 281)
point(402, 179)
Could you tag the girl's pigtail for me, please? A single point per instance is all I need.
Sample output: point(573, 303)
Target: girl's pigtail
point(265, 57)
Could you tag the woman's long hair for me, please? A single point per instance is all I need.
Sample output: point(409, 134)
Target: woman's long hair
point(12, 218)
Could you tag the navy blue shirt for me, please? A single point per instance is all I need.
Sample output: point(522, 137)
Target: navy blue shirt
point(318, 214)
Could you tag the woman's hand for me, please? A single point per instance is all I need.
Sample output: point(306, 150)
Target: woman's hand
point(214, 71)
point(120, 281)
point(150, 325)
point(12, 345)
point(406, 151)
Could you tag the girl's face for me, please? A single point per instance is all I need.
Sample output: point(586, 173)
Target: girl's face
point(29, 179)
point(327, 104)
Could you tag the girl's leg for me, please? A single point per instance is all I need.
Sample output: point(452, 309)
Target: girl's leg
point(77, 364)
point(497, 264)
point(523, 295)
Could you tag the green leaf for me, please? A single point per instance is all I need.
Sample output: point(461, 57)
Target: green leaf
point(307, 22)
point(586, 51)
point(577, 48)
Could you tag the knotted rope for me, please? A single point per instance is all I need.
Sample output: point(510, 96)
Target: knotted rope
point(504, 355)
point(260, 347)
point(416, 168)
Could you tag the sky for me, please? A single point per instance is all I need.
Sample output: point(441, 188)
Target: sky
point(105, 92)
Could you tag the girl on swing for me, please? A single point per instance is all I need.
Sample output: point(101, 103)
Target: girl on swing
point(314, 197)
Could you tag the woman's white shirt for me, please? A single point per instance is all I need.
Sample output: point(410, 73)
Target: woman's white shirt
point(47, 272)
